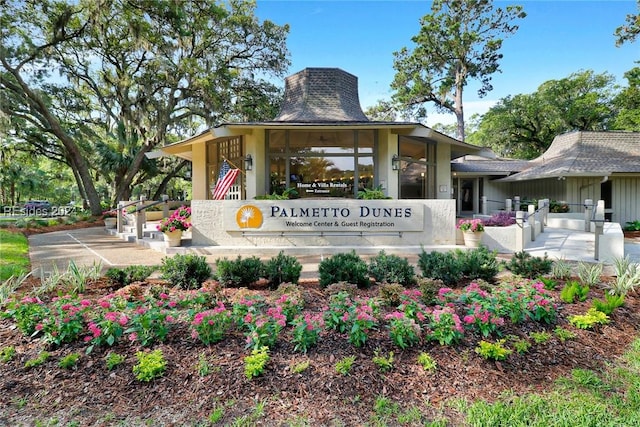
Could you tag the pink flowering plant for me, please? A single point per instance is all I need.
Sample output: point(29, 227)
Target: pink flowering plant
point(471, 225)
point(482, 319)
point(149, 324)
point(306, 330)
point(337, 314)
point(527, 300)
point(105, 328)
point(411, 306)
point(179, 220)
point(210, 326)
point(263, 329)
point(403, 330)
point(66, 321)
point(246, 310)
point(291, 306)
point(27, 313)
point(361, 321)
point(445, 326)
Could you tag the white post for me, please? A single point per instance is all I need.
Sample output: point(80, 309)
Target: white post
point(507, 205)
point(140, 216)
point(484, 205)
point(541, 204)
point(165, 206)
point(532, 221)
point(516, 203)
point(520, 231)
point(588, 206)
point(547, 206)
point(599, 227)
point(120, 217)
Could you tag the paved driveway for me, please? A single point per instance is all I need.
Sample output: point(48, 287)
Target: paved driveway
point(86, 247)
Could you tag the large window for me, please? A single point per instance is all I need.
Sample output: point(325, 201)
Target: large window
point(230, 149)
point(332, 163)
point(417, 169)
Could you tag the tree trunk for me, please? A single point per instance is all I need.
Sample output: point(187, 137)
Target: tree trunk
point(163, 185)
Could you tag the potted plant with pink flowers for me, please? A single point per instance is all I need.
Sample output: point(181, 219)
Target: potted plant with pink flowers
point(173, 226)
point(472, 230)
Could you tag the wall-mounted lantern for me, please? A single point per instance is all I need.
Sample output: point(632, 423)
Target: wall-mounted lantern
point(395, 162)
point(248, 162)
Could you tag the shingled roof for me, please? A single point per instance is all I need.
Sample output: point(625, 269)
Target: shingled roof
point(321, 95)
point(585, 154)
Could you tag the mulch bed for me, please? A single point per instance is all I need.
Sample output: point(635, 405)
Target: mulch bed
point(93, 396)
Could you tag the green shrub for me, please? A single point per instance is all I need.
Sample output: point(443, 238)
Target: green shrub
point(69, 361)
point(391, 269)
point(255, 363)
point(524, 264)
point(150, 365)
point(429, 289)
point(480, 263)
point(343, 267)
point(113, 359)
point(282, 269)
point(493, 351)
point(336, 288)
point(521, 345)
point(610, 303)
point(564, 334)
point(129, 274)
point(549, 283)
point(390, 294)
point(540, 337)
point(7, 353)
point(574, 290)
point(426, 361)
point(185, 271)
point(441, 266)
point(238, 272)
point(385, 364)
point(632, 226)
point(344, 365)
point(39, 360)
point(589, 320)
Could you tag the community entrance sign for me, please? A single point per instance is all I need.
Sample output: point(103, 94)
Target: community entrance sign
point(322, 215)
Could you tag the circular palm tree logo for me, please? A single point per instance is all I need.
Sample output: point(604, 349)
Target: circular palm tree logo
point(249, 216)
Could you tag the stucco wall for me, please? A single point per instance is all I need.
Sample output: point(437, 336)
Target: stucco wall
point(208, 218)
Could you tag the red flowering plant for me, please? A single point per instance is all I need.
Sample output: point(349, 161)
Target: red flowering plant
point(472, 225)
point(179, 220)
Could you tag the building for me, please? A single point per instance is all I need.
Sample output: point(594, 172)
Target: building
point(322, 146)
point(577, 166)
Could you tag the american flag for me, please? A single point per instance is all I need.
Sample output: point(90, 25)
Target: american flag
point(226, 177)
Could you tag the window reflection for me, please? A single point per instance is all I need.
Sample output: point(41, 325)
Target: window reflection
point(322, 163)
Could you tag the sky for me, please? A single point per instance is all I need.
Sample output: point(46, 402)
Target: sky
point(556, 39)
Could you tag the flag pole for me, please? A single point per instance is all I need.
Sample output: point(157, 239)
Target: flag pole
point(229, 161)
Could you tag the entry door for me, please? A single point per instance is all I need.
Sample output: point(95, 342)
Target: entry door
point(467, 194)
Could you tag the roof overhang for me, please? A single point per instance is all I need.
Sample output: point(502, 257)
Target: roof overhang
point(418, 131)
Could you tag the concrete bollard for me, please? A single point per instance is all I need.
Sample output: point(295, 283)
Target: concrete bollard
point(507, 205)
point(516, 203)
point(541, 204)
point(140, 218)
point(520, 231)
point(588, 211)
point(532, 221)
point(120, 217)
point(165, 206)
point(599, 220)
point(484, 205)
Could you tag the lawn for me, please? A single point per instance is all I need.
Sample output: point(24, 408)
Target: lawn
point(14, 254)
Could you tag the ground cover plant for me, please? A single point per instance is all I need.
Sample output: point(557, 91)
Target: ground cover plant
point(426, 354)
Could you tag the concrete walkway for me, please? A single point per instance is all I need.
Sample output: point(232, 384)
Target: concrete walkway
point(95, 245)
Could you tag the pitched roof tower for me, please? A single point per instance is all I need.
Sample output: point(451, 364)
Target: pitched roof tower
point(321, 95)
